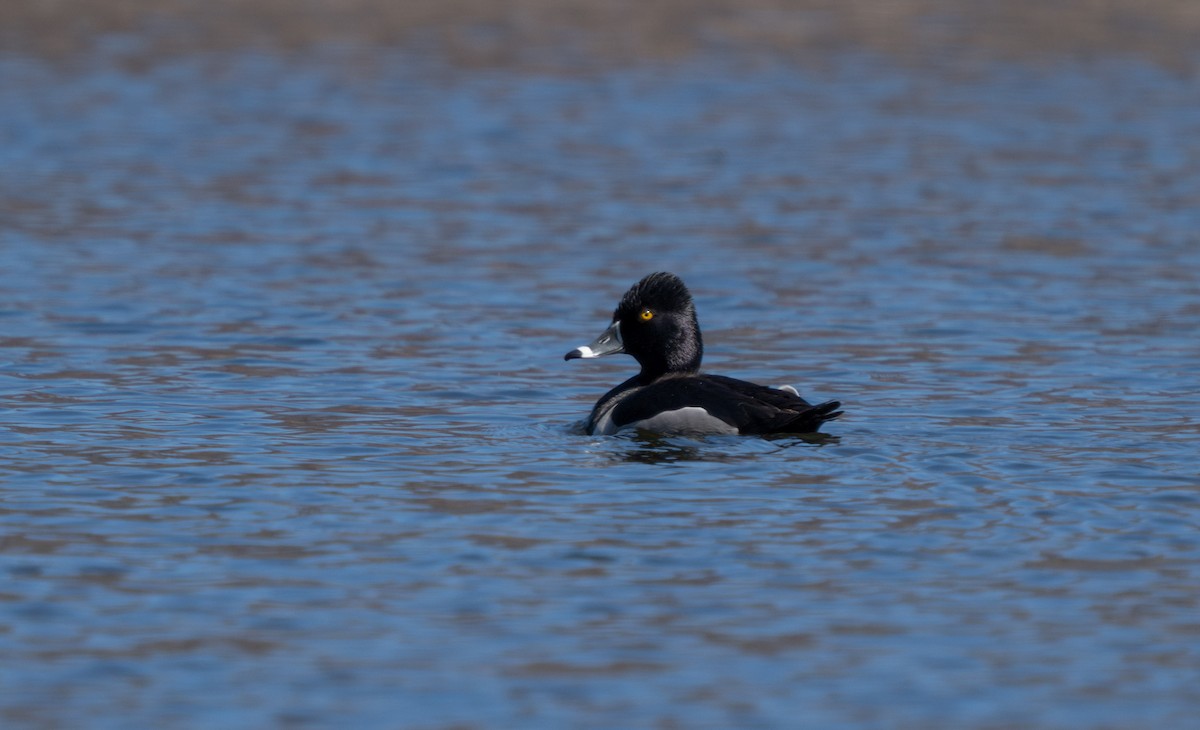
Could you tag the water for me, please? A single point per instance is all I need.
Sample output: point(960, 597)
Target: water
point(289, 441)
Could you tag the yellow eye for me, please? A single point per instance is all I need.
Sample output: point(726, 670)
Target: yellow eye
point(647, 315)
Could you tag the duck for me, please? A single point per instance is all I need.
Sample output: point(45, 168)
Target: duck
point(656, 323)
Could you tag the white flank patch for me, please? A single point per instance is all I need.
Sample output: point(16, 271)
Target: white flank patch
point(691, 419)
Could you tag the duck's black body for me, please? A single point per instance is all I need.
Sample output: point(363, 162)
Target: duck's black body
point(656, 323)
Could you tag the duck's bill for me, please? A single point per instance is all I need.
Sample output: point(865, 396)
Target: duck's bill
point(608, 343)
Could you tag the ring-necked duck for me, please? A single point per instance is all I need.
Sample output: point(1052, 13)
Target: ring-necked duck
point(656, 323)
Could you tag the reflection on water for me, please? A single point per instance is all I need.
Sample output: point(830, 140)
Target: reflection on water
point(286, 421)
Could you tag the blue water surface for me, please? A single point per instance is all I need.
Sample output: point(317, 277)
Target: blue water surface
point(288, 440)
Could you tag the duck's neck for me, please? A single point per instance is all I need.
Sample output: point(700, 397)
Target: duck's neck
point(682, 356)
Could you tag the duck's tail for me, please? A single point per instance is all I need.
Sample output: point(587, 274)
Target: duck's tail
point(810, 419)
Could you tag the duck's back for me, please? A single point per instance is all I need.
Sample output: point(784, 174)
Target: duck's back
point(711, 404)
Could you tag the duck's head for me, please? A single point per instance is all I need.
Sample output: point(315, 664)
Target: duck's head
point(656, 323)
